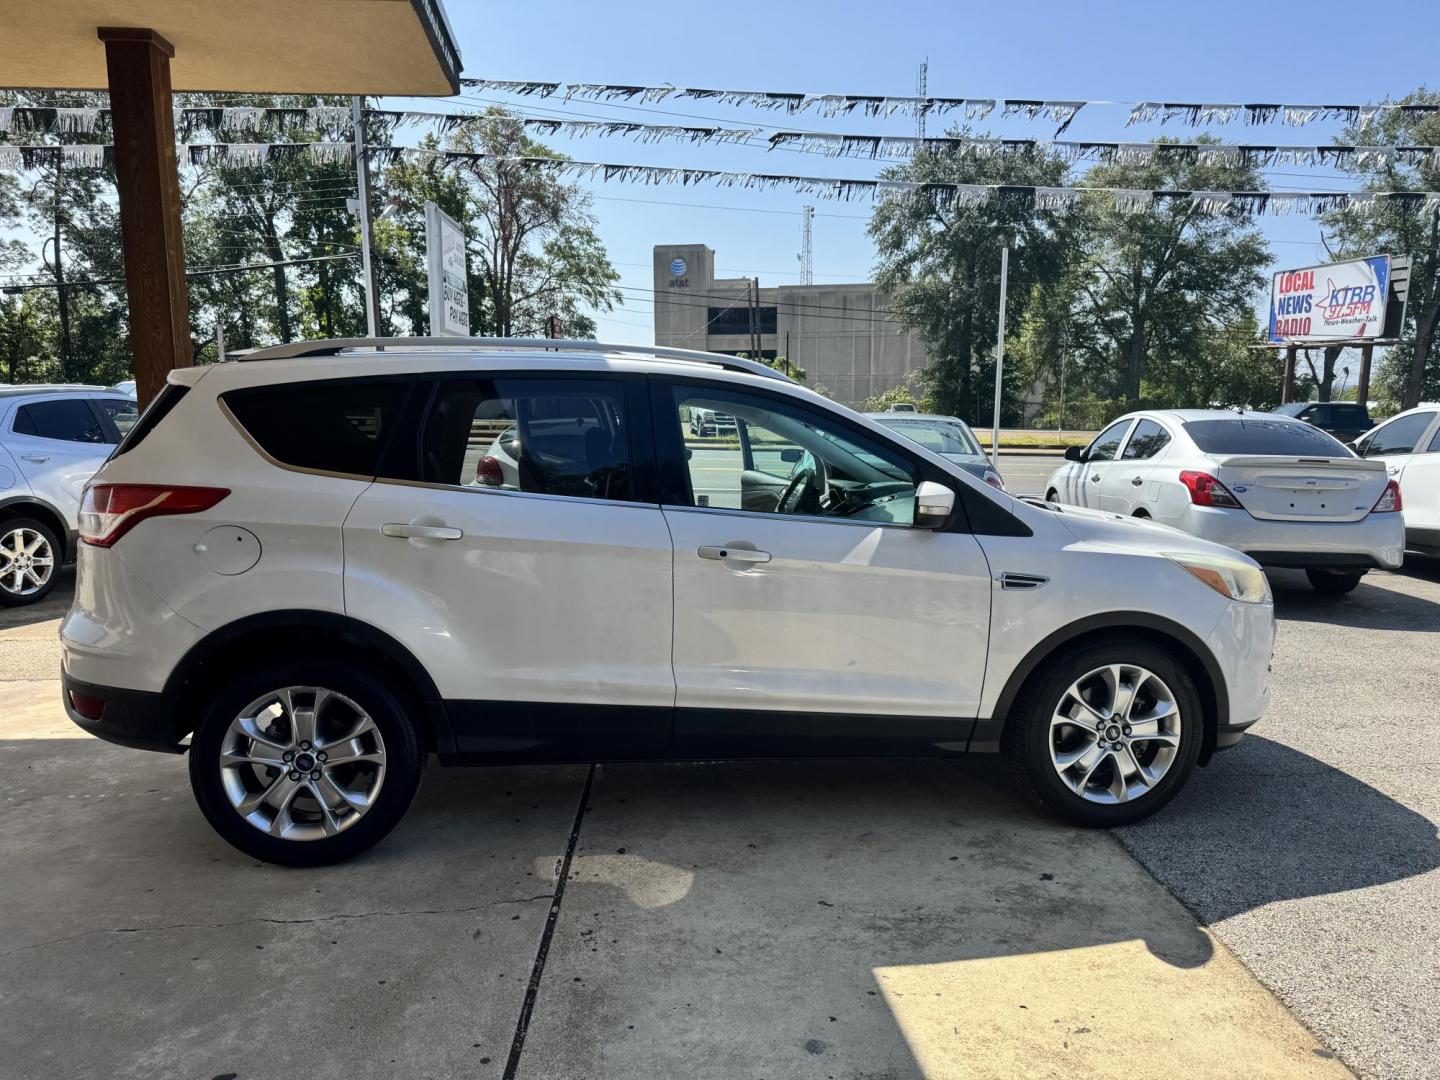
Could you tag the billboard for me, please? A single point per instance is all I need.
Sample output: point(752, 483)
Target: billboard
point(449, 282)
point(1343, 301)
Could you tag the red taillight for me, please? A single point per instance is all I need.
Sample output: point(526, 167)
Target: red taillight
point(993, 479)
point(109, 511)
point(487, 472)
point(1205, 490)
point(1389, 500)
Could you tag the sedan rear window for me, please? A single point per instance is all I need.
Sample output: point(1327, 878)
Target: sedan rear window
point(1254, 435)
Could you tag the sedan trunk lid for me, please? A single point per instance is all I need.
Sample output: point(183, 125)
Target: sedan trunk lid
point(1282, 488)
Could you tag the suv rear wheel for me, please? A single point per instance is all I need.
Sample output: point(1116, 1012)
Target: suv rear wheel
point(29, 557)
point(1108, 734)
point(305, 764)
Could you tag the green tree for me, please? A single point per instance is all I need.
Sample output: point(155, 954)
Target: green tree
point(940, 263)
point(1408, 375)
point(1145, 293)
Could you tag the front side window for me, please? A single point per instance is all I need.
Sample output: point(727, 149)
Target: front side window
point(1399, 436)
point(333, 426)
point(1107, 442)
point(66, 420)
point(1148, 440)
point(780, 458)
point(564, 436)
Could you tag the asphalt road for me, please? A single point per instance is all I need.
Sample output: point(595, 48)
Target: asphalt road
point(1310, 851)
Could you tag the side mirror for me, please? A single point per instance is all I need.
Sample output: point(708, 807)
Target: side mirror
point(934, 503)
point(1074, 453)
point(791, 456)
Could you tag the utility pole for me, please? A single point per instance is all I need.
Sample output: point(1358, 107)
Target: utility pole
point(1000, 353)
point(219, 339)
point(62, 297)
point(371, 286)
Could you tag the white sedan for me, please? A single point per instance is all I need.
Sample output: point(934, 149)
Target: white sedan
point(1283, 492)
point(1409, 445)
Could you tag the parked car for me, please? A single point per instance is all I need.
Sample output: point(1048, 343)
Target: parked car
point(1280, 490)
point(902, 406)
point(1409, 445)
point(1346, 420)
point(707, 422)
point(52, 439)
point(948, 436)
point(287, 565)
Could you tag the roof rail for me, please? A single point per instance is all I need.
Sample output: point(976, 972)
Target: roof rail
point(296, 349)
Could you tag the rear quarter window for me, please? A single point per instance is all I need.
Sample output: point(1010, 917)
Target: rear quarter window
point(334, 426)
point(1258, 435)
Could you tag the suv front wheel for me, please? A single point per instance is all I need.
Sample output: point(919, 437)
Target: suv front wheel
point(305, 764)
point(1107, 734)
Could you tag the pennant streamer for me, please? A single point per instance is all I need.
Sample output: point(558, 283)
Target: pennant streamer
point(1195, 114)
point(16, 157)
point(880, 146)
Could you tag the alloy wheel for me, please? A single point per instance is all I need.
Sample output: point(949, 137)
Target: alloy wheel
point(302, 763)
point(1115, 733)
point(26, 561)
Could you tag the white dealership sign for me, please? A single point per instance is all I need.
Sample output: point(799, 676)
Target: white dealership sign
point(1339, 302)
point(449, 279)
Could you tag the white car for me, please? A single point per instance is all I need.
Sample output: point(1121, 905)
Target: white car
point(287, 570)
point(52, 439)
point(1280, 490)
point(948, 436)
point(1409, 445)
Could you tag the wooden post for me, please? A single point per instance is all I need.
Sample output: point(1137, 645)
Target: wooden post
point(138, 63)
point(1362, 388)
point(1287, 389)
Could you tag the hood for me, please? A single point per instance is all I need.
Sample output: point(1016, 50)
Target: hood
point(1117, 532)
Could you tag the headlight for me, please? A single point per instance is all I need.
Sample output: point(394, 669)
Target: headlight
point(1231, 578)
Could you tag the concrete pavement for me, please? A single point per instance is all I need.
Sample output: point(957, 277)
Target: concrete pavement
point(816, 919)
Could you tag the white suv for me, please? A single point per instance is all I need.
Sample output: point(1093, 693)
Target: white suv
point(52, 439)
point(289, 564)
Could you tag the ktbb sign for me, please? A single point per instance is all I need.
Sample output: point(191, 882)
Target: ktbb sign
point(1338, 302)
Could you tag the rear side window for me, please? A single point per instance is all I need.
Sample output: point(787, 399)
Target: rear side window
point(1399, 436)
point(66, 420)
point(1256, 435)
point(157, 410)
point(562, 436)
point(123, 414)
point(336, 426)
point(1147, 441)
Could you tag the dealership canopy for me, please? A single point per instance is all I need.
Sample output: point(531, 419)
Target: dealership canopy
point(141, 51)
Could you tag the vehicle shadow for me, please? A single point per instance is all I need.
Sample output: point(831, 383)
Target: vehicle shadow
point(52, 607)
point(1370, 607)
point(1264, 823)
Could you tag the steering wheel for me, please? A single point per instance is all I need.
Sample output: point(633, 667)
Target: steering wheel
point(809, 473)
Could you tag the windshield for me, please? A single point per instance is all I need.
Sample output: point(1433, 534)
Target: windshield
point(941, 436)
point(1256, 436)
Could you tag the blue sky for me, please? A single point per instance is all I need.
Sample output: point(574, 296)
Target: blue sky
point(1222, 50)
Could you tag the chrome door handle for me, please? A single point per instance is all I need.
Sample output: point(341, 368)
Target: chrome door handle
point(401, 531)
point(35, 459)
point(1137, 481)
point(738, 554)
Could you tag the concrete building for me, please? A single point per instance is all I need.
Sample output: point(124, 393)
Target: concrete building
point(840, 334)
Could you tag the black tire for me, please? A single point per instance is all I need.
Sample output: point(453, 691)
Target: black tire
point(57, 553)
point(1334, 582)
point(1027, 733)
point(404, 760)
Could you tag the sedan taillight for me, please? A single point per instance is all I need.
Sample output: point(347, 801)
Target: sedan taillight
point(1389, 500)
point(1205, 490)
point(109, 511)
point(488, 472)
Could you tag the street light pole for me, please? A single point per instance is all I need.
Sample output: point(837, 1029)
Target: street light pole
point(1000, 353)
